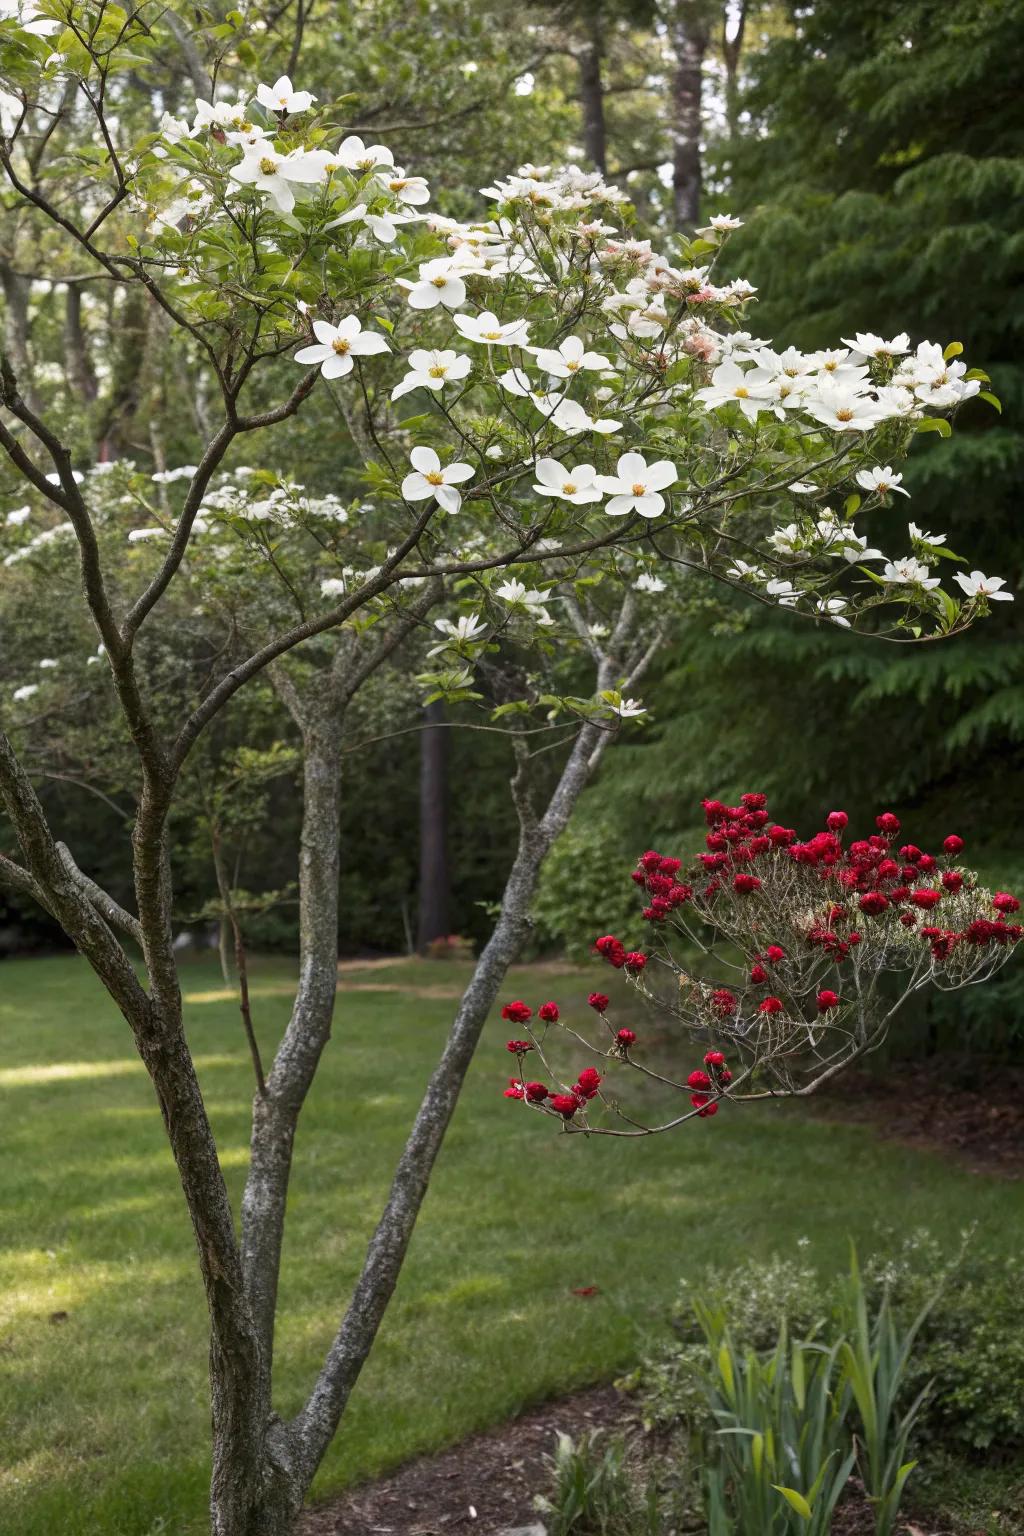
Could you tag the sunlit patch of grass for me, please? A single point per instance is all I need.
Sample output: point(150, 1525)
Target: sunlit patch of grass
point(105, 1409)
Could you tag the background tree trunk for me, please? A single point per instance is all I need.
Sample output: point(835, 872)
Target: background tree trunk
point(434, 916)
point(689, 35)
point(588, 60)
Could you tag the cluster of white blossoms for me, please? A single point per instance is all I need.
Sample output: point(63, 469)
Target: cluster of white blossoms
point(557, 359)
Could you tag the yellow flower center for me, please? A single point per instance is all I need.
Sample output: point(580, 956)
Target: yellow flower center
point(434, 478)
point(568, 489)
point(267, 166)
point(330, 168)
point(882, 487)
point(492, 335)
point(830, 367)
point(396, 186)
point(340, 346)
point(439, 282)
point(845, 415)
point(572, 367)
point(639, 489)
point(741, 393)
point(437, 372)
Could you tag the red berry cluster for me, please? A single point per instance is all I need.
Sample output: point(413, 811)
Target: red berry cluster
point(615, 952)
point(872, 876)
point(715, 1079)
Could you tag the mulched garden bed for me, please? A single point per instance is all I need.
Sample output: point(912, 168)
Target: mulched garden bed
point(970, 1110)
point(487, 1484)
point(483, 1485)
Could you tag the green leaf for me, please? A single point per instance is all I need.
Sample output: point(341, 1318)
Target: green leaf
point(937, 424)
point(993, 400)
point(796, 1500)
point(953, 350)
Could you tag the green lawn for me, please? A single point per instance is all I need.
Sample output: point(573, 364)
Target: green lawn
point(104, 1416)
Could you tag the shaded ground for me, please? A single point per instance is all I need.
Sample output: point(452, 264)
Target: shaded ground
point(485, 1484)
point(973, 1111)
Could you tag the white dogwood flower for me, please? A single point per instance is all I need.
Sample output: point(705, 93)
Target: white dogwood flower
point(570, 358)
point(864, 344)
point(626, 709)
point(977, 584)
point(437, 284)
point(24, 692)
point(881, 480)
point(280, 97)
point(925, 538)
point(466, 628)
point(575, 485)
point(518, 595)
point(431, 370)
point(729, 385)
point(645, 582)
point(489, 331)
point(354, 155)
point(429, 479)
point(840, 407)
point(909, 572)
point(338, 344)
point(407, 189)
point(636, 485)
point(265, 168)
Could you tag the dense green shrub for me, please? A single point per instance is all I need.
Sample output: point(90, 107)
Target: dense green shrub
point(970, 1345)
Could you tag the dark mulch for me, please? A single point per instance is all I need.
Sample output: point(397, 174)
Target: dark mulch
point(482, 1485)
point(488, 1482)
point(973, 1112)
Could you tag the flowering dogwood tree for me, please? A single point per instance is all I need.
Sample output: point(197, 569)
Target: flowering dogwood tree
point(549, 430)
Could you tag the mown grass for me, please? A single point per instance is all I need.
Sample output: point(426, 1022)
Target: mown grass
point(103, 1411)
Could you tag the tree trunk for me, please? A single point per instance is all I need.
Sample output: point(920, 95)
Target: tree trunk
point(275, 1114)
point(433, 920)
point(688, 34)
point(588, 60)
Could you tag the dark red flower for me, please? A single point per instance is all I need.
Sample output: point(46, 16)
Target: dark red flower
point(517, 1012)
point(548, 1012)
point(518, 1047)
point(888, 823)
point(723, 1002)
point(709, 1109)
point(827, 999)
point(744, 884)
point(758, 975)
point(952, 843)
point(536, 1092)
point(926, 898)
point(725, 1077)
point(626, 1038)
point(952, 881)
point(754, 802)
point(514, 1089)
point(698, 1079)
point(774, 953)
point(836, 820)
point(598, 1001)
point(589, 1082)
point(564, 1104)
point(873, 902)
point(771, 1005)
point(714, 1059)
point(1004, 902)
point(699, 1099)
point(635, 960)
